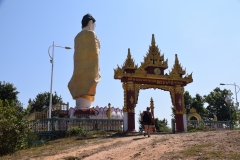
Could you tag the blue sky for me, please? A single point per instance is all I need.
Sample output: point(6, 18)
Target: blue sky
point(205, 35)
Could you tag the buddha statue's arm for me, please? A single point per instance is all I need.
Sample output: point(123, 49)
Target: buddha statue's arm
point(98, 42)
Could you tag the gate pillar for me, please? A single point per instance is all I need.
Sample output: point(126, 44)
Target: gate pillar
point(180, 111)
point(130, 105)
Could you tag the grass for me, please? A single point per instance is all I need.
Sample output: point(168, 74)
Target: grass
point(71, 158)
point(158, 140)
point(117, 143)
point(60, 145)
point(202, 152)
point(234, 155)
point(142, 149)
point(195, 149)
point(50, 148)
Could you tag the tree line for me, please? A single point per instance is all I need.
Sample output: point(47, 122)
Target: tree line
point(212, 104)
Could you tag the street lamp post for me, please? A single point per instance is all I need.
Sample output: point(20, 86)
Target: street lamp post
point(237, 103)
point(236, 92)
point(52, 61)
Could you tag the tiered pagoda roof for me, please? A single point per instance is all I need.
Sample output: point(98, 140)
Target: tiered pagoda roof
point(153, 67)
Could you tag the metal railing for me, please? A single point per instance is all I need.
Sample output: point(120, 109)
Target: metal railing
point(64, 124)
point(203, 125)
point(209, 125)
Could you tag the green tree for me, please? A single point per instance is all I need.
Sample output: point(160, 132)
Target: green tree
point(161, 125)
point(236, 117)
point(196, 102)
point(27, 110)
point(13, 129)
point(42, 99)
point(187, 101)
point(141, 126)
point(9, 92)
point(217, 105)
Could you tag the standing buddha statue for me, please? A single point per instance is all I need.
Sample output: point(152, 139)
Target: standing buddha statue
point(86, 73)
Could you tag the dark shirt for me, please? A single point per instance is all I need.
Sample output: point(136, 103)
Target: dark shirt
point(147, 118)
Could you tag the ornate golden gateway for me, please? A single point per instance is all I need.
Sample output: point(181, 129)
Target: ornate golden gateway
point(151, 74)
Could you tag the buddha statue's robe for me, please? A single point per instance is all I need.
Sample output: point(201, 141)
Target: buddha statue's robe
point(86, 73)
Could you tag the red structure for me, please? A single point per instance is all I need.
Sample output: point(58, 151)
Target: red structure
point(151, 74)
point(152, 111)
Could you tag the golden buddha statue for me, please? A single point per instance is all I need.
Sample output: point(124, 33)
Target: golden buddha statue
point(86, 74)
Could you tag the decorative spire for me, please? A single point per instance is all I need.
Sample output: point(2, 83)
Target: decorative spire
point(129, 62)
point(152, 107)
point(118, 72)
point(129, 54)
point(177, 68)
point(154, 57)
point(176, 60)
point(153, 40)
point(128, 66)
point(151, 103)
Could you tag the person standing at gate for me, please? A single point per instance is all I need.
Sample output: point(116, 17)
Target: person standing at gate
point(147, 121)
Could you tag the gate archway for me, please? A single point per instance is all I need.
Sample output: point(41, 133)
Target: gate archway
point(151, 75)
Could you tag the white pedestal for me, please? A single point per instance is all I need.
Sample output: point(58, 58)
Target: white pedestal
point(83, 103)
point(125, 121)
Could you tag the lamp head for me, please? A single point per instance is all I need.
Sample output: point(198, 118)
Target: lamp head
point(222, 84)
point(67, 47)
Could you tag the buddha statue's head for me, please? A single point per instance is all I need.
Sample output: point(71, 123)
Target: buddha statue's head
point(88, 22)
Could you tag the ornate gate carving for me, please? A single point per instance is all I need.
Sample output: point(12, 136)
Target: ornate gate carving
point(151, 75)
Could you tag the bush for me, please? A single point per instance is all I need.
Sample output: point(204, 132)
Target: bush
point(161, 125)
point(13, 129)
point(191, 129)
point(73, 132)
point(195, 129)
point(32, 139)
point(78, 132)
point(166, 129)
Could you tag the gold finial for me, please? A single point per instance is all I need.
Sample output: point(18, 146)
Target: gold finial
point(176, 59)
point(129, 54)
point(193, 110)
point(151, 99)
point(153, 40)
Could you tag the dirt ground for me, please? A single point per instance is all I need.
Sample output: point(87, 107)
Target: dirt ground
point(199, 145)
